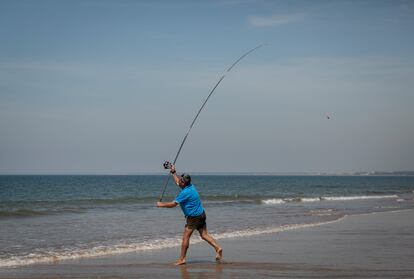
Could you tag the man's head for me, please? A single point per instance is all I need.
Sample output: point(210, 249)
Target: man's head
point(185, 179)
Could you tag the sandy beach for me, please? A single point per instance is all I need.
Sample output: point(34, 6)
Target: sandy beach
point(285, 125)
point(378, 245)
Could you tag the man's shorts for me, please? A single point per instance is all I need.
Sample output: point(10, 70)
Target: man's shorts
point(196, 222)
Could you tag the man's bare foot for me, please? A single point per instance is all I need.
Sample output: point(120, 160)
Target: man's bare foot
point(219, 254)
point(180, 262)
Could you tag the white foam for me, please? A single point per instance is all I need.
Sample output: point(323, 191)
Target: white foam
point(318, 199)
point(142, 246)
point(333, 198)
point(348, 198)
point(322, 212)
point(310, 199)
point(273, 201)
point(54, 256)
point(253, 232)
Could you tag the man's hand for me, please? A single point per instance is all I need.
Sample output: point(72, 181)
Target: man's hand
point(173, 169)
point(159, 204)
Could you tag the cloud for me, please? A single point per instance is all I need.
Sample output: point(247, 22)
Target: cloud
point(265, 21)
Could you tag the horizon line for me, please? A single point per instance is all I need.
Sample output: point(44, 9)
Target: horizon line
point(298, 173)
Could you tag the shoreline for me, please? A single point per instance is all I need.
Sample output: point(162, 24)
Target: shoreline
point(375, 244)
point(146, 247)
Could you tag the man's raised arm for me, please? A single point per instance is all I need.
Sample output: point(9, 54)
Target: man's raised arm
point(174, 175)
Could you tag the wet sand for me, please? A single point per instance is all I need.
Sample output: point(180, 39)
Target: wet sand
point(377, 245)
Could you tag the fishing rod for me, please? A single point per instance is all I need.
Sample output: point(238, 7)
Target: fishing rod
point(168, 164)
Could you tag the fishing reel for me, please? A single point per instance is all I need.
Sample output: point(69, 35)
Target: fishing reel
point(167, 165)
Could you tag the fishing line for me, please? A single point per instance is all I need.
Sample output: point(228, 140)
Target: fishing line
point(201, 108)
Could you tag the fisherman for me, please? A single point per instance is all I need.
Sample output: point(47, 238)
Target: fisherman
point(190, 203)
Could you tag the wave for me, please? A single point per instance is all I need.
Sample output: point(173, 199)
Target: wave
point(310, 199)
point(85, 201)
point(273, 201)
point(348, 198)
point(40, 208)
point(97, 251)
point(327, 198)
point(157, 244)
point(323, 212)
point(23, 212)
point(122, 200)
point(253, 232)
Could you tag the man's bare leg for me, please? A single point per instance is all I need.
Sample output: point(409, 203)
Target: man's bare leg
point(184, 245)
point(207, 237)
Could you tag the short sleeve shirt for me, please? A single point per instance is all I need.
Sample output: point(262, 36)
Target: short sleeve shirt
point(189, 201)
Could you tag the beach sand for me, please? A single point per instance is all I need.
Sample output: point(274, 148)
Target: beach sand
point(379, 245)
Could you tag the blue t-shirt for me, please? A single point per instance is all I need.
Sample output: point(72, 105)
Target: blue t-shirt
point(189, 201)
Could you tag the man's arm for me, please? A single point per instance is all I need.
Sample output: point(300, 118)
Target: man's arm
point(174, 175)
point(167, 204)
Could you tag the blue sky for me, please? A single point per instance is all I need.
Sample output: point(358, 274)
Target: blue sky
point(112, 86)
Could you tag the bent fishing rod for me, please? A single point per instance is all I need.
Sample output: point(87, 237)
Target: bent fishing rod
point(167, 164)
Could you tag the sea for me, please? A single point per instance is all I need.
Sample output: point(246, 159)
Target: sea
point(49, 218)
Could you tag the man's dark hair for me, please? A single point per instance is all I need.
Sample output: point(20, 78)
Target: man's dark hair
point(186, 178)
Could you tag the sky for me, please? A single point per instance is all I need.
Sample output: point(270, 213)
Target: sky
point(111, 87)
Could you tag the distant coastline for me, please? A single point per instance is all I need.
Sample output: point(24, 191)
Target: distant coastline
point(359, 173)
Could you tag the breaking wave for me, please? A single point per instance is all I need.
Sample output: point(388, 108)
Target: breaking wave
point(348, 198)
point(273, 201)
point(327, 198)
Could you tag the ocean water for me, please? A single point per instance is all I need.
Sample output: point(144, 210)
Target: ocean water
point(50, 218)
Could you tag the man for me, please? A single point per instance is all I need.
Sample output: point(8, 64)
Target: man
point(190, 203)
